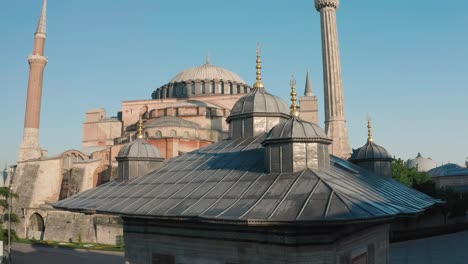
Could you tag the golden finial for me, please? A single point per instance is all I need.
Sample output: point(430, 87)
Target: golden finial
point(208, 60)
point(369, 129)
point(294, 111)
point(140, 128)
point(259, 83)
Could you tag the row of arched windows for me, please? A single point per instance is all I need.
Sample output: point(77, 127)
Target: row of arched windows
point(172, 133)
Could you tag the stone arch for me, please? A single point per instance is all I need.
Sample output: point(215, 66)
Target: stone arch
point(186, 134)
point(146, 134)
point(158, 134)
point(36, 226)
point(173, 133)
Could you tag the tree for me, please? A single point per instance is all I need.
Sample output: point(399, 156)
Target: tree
point(409, 176)
point(5, 195)
point(456, 204)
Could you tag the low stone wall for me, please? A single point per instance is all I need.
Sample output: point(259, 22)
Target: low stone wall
point(72, 227)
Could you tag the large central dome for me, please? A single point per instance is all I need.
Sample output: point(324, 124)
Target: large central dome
point(207, 72)
point(204, 80)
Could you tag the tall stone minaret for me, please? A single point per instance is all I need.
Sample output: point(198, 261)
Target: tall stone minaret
point(30, 148)
point(335, 119)
point(309, 103)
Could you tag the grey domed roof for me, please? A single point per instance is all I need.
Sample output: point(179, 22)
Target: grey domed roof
point(370, 151)
point(448, 169)
point(259, 101)
point(139, 148)
point(296, 129)
point(207, 71)
point(422, 164)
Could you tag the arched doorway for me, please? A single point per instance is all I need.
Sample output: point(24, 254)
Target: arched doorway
point(36, 227)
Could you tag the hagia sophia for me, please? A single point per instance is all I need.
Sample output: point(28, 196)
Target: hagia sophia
point(210, 169)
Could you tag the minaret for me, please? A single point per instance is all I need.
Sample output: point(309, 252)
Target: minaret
point(335, 119)
point(30, 148)
point(309, 103)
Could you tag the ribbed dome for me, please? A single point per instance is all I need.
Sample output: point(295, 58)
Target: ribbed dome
point(139, 148)
point(207, 72)
point(260, 101)
point(370, 151)
point(422, 164)
point(296, 129)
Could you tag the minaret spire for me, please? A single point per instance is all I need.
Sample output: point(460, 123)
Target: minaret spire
point(42, 26)
point(294, 112)
point(335, 118)
point(259, 83)
point(308, 86)
point(30, 148)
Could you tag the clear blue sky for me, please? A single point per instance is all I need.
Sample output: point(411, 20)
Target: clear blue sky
point(404, 62)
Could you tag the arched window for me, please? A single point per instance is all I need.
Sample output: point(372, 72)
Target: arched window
point(158, 134)
point(193, 88)
point(203, 88)
point(230, 89)
point(186, 134)
point(146, 134)
point(173, 133)
point(222, 87)
point(212, 88)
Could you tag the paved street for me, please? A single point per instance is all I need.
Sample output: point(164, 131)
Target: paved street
point(447, 249)
point(24, 253)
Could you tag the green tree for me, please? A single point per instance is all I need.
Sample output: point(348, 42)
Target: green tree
point(409, 176)
point(5, 205)
point(456, 204)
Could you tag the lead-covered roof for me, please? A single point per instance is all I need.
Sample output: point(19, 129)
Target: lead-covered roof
point(227, 181)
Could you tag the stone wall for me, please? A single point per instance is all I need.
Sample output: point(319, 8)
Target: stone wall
point(144, 246)
point(69, 226)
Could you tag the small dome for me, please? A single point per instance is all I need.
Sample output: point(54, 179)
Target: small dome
point(207, 72)
point(139, 148)
point(422, 164)
point(370, 151)
point(296, 129)
point(261, 102)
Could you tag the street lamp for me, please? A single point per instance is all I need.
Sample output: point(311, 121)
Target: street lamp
point(9, 217)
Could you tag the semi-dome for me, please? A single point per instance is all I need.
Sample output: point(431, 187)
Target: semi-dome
point(422, 164)
point(207, 71)
point(139, 148)
point(259, 101)
point(296, 129)
point(370, 151)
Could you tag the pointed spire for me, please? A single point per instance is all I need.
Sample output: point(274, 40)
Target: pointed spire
point(370, 138)
point(294, 112)
point(208, 60)
point(259, 83)
point(42, 26)
point(308, 87)
point(140, 128)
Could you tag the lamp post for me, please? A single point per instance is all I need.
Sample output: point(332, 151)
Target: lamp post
point(9, 217)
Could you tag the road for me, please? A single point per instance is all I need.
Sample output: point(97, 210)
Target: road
point(446, 249)
point(37, 254)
